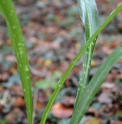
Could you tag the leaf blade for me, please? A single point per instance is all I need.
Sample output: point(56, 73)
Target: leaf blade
point(7, 9)
point(94, 85)
point(89, 17)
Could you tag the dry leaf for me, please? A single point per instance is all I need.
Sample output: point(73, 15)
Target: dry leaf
point(93, 121)
point(104, 98)
point(61, 111)
point(19, 102)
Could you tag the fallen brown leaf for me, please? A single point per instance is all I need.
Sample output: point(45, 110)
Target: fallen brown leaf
point(104, 98)
point(61, 111)
point(93, 121)
point(19, 102)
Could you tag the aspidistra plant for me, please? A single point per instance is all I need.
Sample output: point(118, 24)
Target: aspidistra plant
point(86, 91)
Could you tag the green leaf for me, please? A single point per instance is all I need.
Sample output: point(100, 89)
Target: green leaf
point(94, 85)
point(3, 121)
point(49, 82)
point(63, 78)
point(89, 16)
point(7, 9)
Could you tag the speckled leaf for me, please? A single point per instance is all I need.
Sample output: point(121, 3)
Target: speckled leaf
point(7, 9)
point(94, 85)
point(89, 16)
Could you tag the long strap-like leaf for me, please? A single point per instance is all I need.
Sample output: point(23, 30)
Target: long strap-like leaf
point(61, 81)
point(7, 9)
point(94, 85)
point(89, 16)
